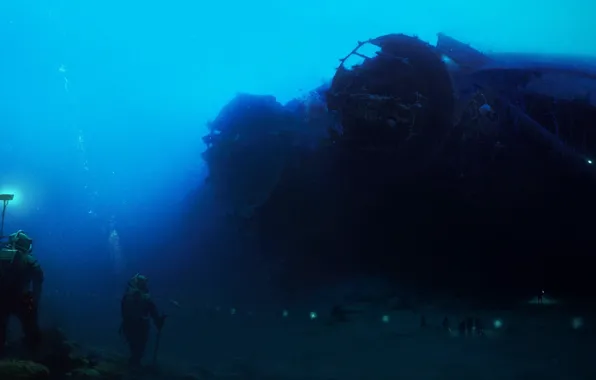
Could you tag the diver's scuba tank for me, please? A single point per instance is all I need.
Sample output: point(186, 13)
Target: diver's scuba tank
point(13, 257)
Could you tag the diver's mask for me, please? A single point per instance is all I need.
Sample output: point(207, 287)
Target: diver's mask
point(21, 242)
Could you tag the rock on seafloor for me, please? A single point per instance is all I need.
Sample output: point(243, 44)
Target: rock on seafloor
point(23, 370)
point(59, 358)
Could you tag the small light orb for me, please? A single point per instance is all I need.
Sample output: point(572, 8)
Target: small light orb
point(577, 323)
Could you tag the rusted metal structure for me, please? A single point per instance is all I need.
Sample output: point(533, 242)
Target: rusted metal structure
point(401, 97)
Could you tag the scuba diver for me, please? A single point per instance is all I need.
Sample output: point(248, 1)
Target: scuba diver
point(137, 307)
point(21, 279)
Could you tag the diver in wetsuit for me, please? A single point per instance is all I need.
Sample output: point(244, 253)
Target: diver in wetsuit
point(137, 308)
point(21, 280)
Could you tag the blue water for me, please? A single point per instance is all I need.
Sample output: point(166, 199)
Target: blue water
point(102, 108)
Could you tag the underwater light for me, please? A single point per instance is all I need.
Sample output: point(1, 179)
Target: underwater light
point(10, 194)
point(6, 197)
point(589, 162)
point(577, 323)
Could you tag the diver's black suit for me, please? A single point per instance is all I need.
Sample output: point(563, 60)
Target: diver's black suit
point(19, 271)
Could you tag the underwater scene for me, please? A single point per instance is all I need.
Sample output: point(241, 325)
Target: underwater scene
point(283, 190)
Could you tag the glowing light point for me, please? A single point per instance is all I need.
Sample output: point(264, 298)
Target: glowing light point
point(577, 323)
point(385, 319)
point(232, 311)
point(313, 315)
point(589, 162)
point(446, 59)
point(18, 198)
point(497, 324)
point(285, 313)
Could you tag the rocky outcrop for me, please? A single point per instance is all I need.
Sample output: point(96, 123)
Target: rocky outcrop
point(59, 358)
point(23, 370)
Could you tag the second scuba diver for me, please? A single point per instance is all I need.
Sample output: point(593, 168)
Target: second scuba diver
point(137, 308)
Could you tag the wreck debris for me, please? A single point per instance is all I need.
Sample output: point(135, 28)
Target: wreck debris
point(246, 151)
point(402, 95)
point(464, 55)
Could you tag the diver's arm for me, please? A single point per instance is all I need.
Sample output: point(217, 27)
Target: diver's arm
point(157, 319)
point(123, 306)
point(37, 278)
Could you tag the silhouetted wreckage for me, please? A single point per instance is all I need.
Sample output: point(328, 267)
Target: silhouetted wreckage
point(400, 101)
point(419, 157)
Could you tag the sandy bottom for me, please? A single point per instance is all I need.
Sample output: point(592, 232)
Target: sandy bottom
point(532, 342)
